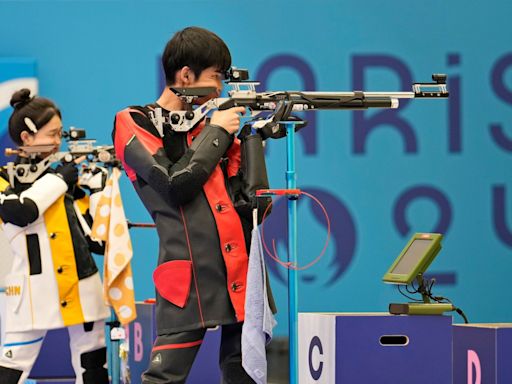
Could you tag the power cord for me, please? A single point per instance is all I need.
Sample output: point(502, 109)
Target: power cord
point(427, 290)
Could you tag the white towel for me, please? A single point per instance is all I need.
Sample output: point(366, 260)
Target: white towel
point(259, 319)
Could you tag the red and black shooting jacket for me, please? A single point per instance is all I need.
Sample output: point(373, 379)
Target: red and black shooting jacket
point(188, 181)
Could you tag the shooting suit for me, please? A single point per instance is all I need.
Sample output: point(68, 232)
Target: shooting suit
point(54, 281)
point(199, 189)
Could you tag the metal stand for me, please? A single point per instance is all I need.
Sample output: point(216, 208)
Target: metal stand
point(115, 363)
point(114, 351)
point(291, 183)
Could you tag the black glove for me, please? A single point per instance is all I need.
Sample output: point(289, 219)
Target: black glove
point(68, 172)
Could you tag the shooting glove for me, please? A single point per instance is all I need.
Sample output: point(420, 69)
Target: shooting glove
point(253, 176)
point(68, 172)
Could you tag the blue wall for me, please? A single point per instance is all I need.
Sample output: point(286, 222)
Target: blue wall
point(430, 166)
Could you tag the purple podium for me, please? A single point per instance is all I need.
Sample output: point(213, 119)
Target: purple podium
point(374, 348)
point(482, 353)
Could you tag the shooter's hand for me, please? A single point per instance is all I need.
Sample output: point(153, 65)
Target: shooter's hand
point(68, 172)
point(228, 119)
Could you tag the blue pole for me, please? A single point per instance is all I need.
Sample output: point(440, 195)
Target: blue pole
point(291, 183)
point(115, 364)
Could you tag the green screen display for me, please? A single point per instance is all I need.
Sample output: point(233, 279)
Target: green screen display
point(415, 258)
point(412, 256)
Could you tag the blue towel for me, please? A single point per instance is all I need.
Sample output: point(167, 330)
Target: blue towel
point(259, 319)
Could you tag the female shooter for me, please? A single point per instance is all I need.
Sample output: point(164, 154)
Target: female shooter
point(54, 281)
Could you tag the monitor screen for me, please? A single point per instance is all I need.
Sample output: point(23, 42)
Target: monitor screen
point(412, 256)
point(414, 259)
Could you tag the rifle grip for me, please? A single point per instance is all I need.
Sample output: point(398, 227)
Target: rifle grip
point(228, 104)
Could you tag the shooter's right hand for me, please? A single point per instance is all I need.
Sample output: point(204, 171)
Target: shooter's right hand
point(228, 119)
point(68, 172)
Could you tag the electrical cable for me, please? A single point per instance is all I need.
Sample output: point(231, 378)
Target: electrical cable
point(428, 284)
point(407, 296)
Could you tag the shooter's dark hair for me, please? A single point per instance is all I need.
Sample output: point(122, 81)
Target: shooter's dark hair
point(30, 113)
point(196, 48)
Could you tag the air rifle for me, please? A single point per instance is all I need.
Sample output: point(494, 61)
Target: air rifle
point(278, 106)
point(96, 156)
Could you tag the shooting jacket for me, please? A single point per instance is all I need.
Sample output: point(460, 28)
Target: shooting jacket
point(53, 282)
point(189, 183)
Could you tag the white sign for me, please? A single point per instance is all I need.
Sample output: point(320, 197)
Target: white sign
point(317, 348)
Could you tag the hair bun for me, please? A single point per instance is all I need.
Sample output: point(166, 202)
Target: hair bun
point(20, 98)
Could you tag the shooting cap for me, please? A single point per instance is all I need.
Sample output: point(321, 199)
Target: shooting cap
point(30, 113)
